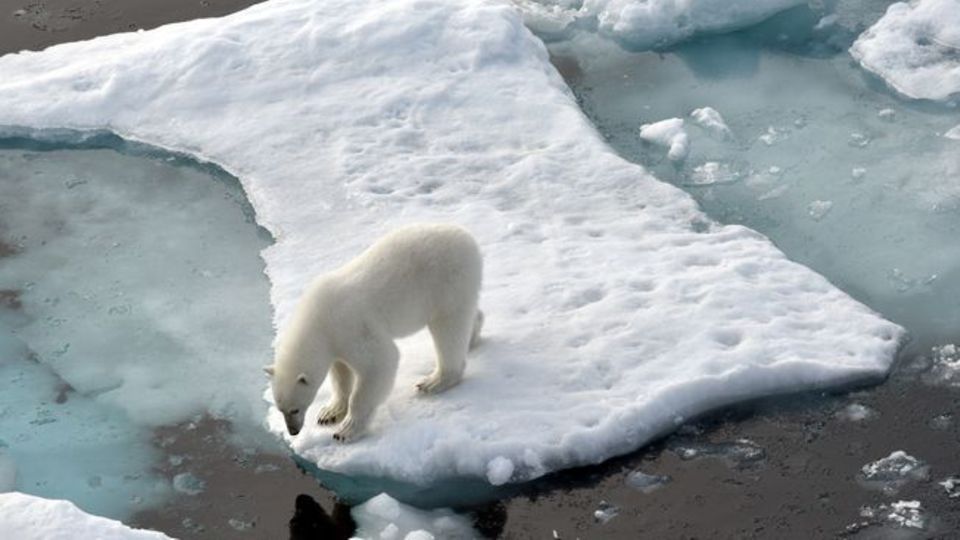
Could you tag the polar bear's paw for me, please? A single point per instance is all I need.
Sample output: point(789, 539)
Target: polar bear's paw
point(332, 413)
point(435, 384)
point(349, 430)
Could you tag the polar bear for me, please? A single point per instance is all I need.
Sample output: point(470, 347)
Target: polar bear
point(346, 322)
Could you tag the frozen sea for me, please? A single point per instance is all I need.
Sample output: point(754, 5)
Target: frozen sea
point(134, 301)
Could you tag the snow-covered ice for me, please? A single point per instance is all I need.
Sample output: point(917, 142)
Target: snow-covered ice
point(385, 518)
point(602, 285)
point(645, 24)
point(669, 134)
point(25, 517)
point(914, 48)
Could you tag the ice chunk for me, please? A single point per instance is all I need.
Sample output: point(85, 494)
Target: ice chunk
point(893, 472)
point(941, 422)
point(953, 133)
point(856, 412)
point(25, 517)
point(902, 514)
point(642, 299)
point(913, 47)
point(646, 483)
point(742, 453)
point(499, 470)
point(605, 512)
point(713, 172)
point(647, 24)
point(952, 487)
point(188, 484)
point(710, 119)
point(945, 365)
point(819, 209)
point(670, 134)
point(857, 173)
point(383, 517)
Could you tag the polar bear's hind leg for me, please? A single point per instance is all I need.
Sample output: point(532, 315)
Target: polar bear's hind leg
point(451, 336)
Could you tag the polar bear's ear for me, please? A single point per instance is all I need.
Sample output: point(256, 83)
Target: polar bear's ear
point(302, 378)
point(268, 370)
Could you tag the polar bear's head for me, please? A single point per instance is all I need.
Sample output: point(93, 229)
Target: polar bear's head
point(293, 392)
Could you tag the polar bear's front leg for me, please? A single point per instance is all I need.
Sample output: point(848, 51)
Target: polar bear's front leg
point(342, 380)
point(374, 372)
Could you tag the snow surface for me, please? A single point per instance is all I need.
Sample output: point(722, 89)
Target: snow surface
point(385, 518)
point(25, 517)
point(613, 304)
point(915, 48)
point(645, 24)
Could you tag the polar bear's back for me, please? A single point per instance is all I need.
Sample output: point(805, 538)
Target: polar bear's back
point(415, 273)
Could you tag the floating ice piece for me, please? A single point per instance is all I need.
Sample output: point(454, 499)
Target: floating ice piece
point(385, 518)
point(945, 365)
point(623, 291)
point(648, 24)
point(188, 484)
point(742, 453)
point(893, 472)
point(888, 115)
point(710, 119)
point(26, 517)
point(772, 136)
point(605, 512)
point(713, 172)
point(941, 422)
point(859, 140)
point(952, 486)
point(953, 133)
point(819, 209)
point(858, 173)
point(670, 134)
point(904, 514)
point(913, 47)
point(646, 483)
point(856, 412)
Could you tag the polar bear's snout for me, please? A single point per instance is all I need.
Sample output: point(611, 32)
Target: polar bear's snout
point(294, 421)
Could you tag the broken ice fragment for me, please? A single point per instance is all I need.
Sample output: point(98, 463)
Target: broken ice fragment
point(188, 484)
point(856, 412)
point(953, 133)
point(646, 483)
point(952, 486)
point(713, 172)
point(668, 133)
point(709, 119)
point(742, 453)
point(605, 512)
point(893, 472)
point(819, 209)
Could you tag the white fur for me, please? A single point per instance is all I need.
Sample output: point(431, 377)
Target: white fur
point(345, 324)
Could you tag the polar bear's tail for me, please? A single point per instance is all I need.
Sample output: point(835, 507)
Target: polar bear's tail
point(477, 327)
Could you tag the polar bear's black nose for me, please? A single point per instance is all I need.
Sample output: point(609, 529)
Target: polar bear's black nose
point(293, 424)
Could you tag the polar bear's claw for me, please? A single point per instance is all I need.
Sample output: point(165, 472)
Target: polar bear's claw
point(331, 414)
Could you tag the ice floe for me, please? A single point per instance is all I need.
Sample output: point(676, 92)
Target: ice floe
point(344, 119)
point(914, 48)
point(711, 120)
point(646, 483)
point(25, 517)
